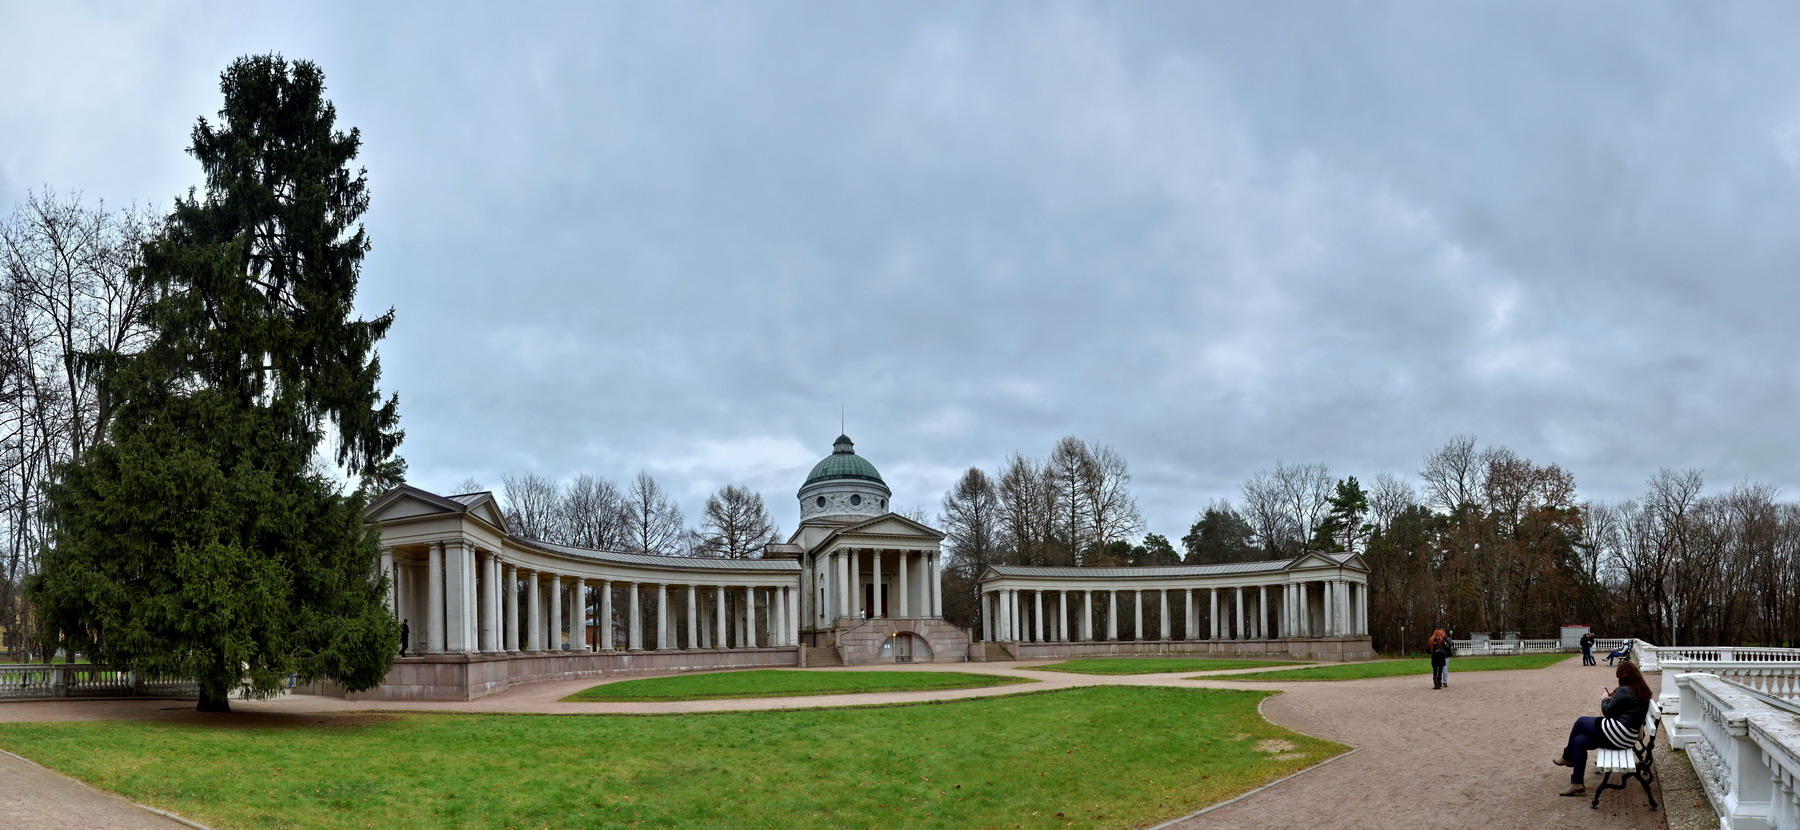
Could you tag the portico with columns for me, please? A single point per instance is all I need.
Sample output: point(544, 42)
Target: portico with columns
point(486, 608)
point(872, 580)
point(1314, 606)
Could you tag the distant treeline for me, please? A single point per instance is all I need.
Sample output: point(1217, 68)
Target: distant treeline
point(1481, 540)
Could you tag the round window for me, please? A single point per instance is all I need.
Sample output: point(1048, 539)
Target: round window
point(821, 501)
point(855, 501)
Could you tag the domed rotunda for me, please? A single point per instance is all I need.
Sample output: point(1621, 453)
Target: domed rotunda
point(843, 484)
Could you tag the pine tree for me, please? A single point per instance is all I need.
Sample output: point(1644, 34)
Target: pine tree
point(203, 538)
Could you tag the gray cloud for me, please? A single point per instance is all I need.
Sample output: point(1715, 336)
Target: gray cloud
point(1214, 237)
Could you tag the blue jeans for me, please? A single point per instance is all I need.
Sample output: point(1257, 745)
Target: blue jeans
point(1583, 736)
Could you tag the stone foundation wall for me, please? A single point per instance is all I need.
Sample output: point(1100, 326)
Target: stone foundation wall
point(861, 646)
point(474, 676)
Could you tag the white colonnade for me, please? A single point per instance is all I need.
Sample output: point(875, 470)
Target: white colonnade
point(1314, 595)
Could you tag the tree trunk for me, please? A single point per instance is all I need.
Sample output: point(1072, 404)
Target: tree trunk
point(214, 698)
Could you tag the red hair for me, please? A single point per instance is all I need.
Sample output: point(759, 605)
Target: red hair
point(1437, 637)
point(1628, 675)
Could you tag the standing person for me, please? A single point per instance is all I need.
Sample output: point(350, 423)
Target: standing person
point(1621, 716)
point(405, 636)
point(1439, 649)
point(1587, 649)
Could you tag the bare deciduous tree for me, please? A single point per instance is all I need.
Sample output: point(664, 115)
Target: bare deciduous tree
point(653, 522)
point(737, 524)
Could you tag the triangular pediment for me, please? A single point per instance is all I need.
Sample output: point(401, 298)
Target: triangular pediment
point(409, 502)
point(487, 508)
point(891, 524)
point(1316, 559)
point(406, 502)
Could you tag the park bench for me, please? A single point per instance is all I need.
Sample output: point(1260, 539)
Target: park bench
point(1638, 762)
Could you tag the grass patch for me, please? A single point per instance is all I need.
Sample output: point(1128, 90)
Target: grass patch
point(1395, 668)
point(783, 683)
point(1155, 665)
point(1086, 757)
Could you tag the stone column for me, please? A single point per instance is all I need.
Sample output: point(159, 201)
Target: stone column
point(1037, 616)
point(1137, 614)
point(1328, 595)
point(1087, 615)
point(387, 573)
point(857, 608)
point(456, 597)
point(607, 631)
point(750, 617)
point(791, 629)
point(534, 615)
point(1112, 615)
point(1262, 611)
point(904, 606)
point(1237, 632)
point(1214, 616)
point(488, 595)
point(936, 581)
point(719, 616)
point(1305, 628)
point(509, 577)
point(662, 616)
point(578, 614)
point(1062, 616)
point(693, 621)
point(875, 584)
point(434, 609)
point(1163, 611)
point(634, 628)
point(840, 565)
point(987, 618)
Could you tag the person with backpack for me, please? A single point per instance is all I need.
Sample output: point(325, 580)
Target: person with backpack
point(1439, 648)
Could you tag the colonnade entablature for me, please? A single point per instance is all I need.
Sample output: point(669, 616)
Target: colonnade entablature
point(1314, 595)
point(464, 584)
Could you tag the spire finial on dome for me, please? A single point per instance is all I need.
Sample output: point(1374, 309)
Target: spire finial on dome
point(843, 445)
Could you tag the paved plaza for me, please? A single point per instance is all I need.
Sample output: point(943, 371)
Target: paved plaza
point(1476, 754)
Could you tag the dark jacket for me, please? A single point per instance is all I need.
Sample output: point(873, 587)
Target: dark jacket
point(1587, 642)
point(1440, 655)
point(1622, 716)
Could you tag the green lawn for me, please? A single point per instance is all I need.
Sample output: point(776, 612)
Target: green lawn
point(1085, 757)
point(1154, 665)
point(784, 683)
point(1395, 668)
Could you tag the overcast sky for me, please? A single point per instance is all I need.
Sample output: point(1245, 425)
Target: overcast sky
point(678, 237)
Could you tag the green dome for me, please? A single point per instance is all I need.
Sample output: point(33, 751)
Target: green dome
point(843, 462)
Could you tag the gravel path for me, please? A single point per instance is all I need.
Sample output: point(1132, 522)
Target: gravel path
point(1476, 754)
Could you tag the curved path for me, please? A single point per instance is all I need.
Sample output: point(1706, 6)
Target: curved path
point(1476, 754)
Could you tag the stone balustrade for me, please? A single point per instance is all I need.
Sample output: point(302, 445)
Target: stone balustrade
point(38, 681)
point(1744, 745)
point(1773, 671)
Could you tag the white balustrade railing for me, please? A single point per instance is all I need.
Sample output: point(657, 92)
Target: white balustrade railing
point(1774, 671)
point(38, 681)
point(1744, 745)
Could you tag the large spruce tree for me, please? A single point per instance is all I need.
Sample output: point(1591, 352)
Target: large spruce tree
point(204, 537)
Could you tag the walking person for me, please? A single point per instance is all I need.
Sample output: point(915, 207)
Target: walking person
point(1587, 649)
point(1622, 714)
point(1439, 649)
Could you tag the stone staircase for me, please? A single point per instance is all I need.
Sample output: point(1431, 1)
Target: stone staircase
point(823, 657)
point(945, 642)
point(996, 652)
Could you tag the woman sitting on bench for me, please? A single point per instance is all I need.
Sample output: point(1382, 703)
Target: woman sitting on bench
point(1621, 716)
